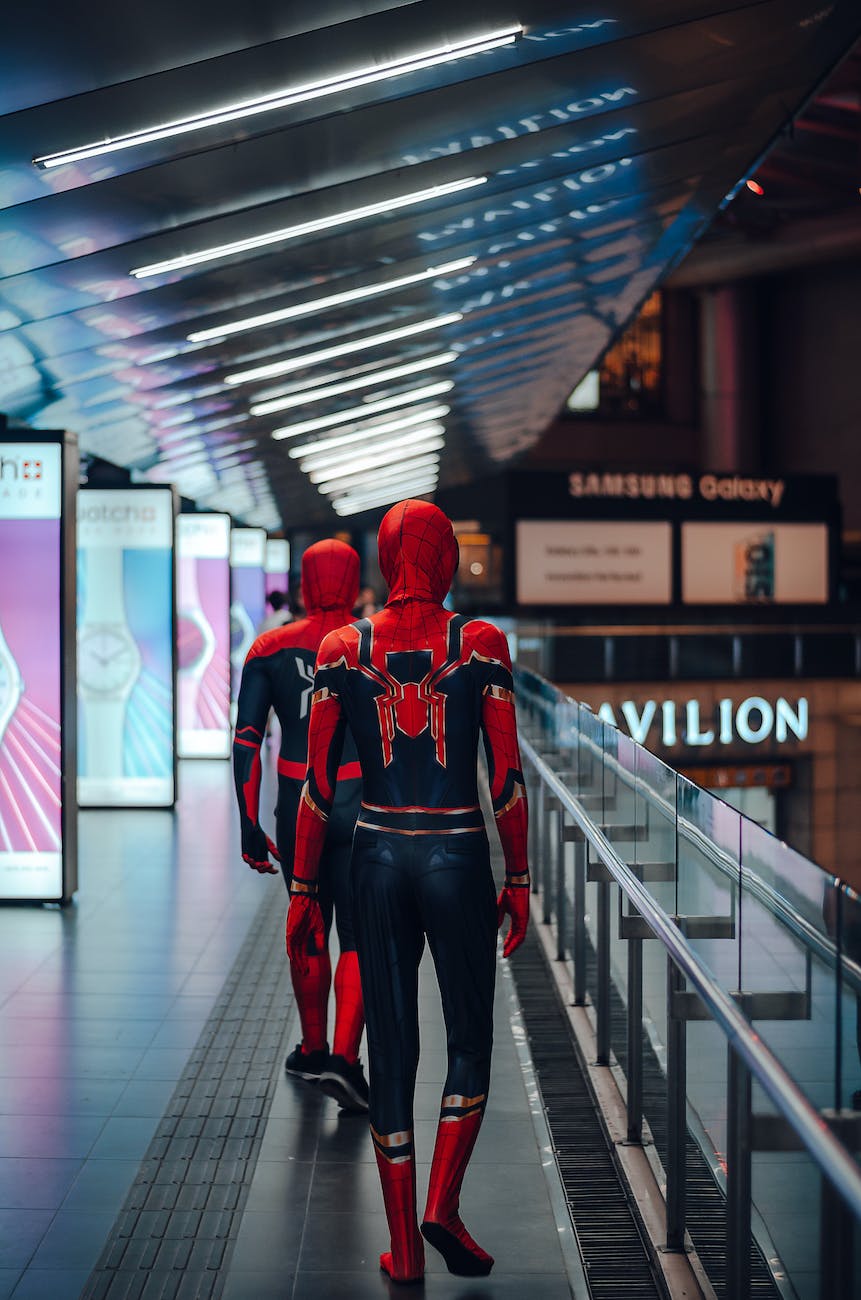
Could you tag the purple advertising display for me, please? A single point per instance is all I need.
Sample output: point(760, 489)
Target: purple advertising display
point(32, 744)
point(247, 596)
point(203, 635)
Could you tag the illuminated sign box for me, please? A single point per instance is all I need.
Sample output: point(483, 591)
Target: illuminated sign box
point(38, 826)
point(591, 562)
point(754, 720)
point(126, 734)
point(277, 564)
point(754, 563)
point(247, 595)
point(203, 635)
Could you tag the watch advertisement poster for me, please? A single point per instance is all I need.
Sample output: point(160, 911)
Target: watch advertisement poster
point(125, 647)
point(247, 595)
point(203, 635)
point(277, 564)
point(37, 806)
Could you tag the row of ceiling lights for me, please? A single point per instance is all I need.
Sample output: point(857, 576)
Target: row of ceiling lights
point(408, 463)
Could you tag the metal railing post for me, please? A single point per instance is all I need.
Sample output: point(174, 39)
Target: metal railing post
point(603, 1008)
point(580, 922)
point(548, 861)
point(561, 908)
point(738, 1189)
point(634, 1071)
point(835, 1244)
point(676, 1113)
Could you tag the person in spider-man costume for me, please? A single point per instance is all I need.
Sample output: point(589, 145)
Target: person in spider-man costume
point(417, 685)
point(279, 674)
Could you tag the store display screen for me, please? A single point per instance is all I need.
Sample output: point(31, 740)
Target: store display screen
point(31, 839)
point(247, 595)
point(125, 647)
point(565, 562)
point(754, 563)
point(203, 635)
point(277, 564)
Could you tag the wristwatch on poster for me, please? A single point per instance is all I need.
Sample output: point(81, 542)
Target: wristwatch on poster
point(195, 643)
point(241, 634)
point(109, 663)
point(11, 685)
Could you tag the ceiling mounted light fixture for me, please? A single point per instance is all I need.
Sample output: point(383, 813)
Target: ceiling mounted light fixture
point(337, 462)
point(287, 97)
point(355, 414)
point(322, 394)
point(345, 479)
point(309, 359)
point(315, 226)
point(354, 505)
point(332, 300)
point(427, 418)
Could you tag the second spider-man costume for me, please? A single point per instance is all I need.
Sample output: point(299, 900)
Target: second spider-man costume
point(417, 686)
point(279, 674)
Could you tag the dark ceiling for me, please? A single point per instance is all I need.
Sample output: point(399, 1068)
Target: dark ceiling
point(600, 143)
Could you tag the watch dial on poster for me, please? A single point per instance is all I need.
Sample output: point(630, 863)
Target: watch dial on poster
point(125, 669)
point(247, 596)
point(31, 838)
point(203, 635)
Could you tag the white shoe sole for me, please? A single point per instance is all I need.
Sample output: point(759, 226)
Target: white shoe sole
point(334, 1085)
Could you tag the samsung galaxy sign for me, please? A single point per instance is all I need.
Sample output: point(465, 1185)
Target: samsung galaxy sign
point(752, 722)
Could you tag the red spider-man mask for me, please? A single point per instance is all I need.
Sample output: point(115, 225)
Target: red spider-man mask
point(418, 551)
point(330, 576)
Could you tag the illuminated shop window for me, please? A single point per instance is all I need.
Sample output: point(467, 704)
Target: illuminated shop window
point(628, 382)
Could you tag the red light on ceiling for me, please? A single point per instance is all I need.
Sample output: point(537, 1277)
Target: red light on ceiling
point(755, 187)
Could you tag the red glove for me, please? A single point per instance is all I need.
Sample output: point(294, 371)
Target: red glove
point(513, 900)
point(305, 930)
point(256, 848)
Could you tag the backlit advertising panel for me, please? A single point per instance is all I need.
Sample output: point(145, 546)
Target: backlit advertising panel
point(247, 595)
point(126, 734)
point(37, 676)
point(277, 564)
point(754, 563)
point(203, 635)
point(591, 562)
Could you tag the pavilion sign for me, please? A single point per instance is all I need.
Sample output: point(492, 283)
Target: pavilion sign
point(669, 722)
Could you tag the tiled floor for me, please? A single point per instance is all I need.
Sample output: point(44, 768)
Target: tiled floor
point(100, 1006)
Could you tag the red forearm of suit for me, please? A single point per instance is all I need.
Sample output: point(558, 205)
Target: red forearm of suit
point(507, 791)
point(247, 771)
point(325, 739)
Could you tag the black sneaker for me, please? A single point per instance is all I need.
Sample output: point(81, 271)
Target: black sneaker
point(306, 1065)
point(345, 1082)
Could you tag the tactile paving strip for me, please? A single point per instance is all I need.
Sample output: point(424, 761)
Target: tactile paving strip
point(183, 1211)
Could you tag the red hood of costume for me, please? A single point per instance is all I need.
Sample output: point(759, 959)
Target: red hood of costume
point(330, 576)
point(418, 551)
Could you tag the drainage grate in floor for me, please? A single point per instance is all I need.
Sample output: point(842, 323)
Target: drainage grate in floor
point(184, 1207)
point(614, 1255)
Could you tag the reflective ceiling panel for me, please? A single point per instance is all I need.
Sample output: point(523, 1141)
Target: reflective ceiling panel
point(343, 159)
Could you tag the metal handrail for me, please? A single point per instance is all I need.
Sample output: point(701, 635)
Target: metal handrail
point(776, 903)
point(834, 1161)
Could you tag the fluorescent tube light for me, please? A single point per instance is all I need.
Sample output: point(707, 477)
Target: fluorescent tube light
point(317, 224)
point(308, 359)
point(353, 505)
point(356, 414)
point(321, 394)
point(420, 420)
point(286, 97)
point(332, 300)
point(338, 462)
point(382, 473)
point(389, 459)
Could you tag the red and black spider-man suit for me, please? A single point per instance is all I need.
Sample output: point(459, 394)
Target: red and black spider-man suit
point(417, 685)
point(279, 674)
